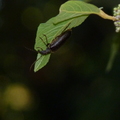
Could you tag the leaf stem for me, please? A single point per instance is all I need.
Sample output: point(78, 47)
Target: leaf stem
point(106, 16)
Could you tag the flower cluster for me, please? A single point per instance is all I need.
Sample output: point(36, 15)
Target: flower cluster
point(116, 13)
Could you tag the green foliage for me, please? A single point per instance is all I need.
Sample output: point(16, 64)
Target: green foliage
point(72, 14)
point(113, 53)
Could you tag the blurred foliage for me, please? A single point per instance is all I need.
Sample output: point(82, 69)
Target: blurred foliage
point(74, 85)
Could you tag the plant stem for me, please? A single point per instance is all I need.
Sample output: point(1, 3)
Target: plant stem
point(106, 16)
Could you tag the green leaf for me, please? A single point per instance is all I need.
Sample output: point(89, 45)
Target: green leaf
point(41, 61)
point(72, 14)
point(50, 31)
point(73, 9)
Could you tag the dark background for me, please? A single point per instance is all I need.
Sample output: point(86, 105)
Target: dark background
point(74, 85)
